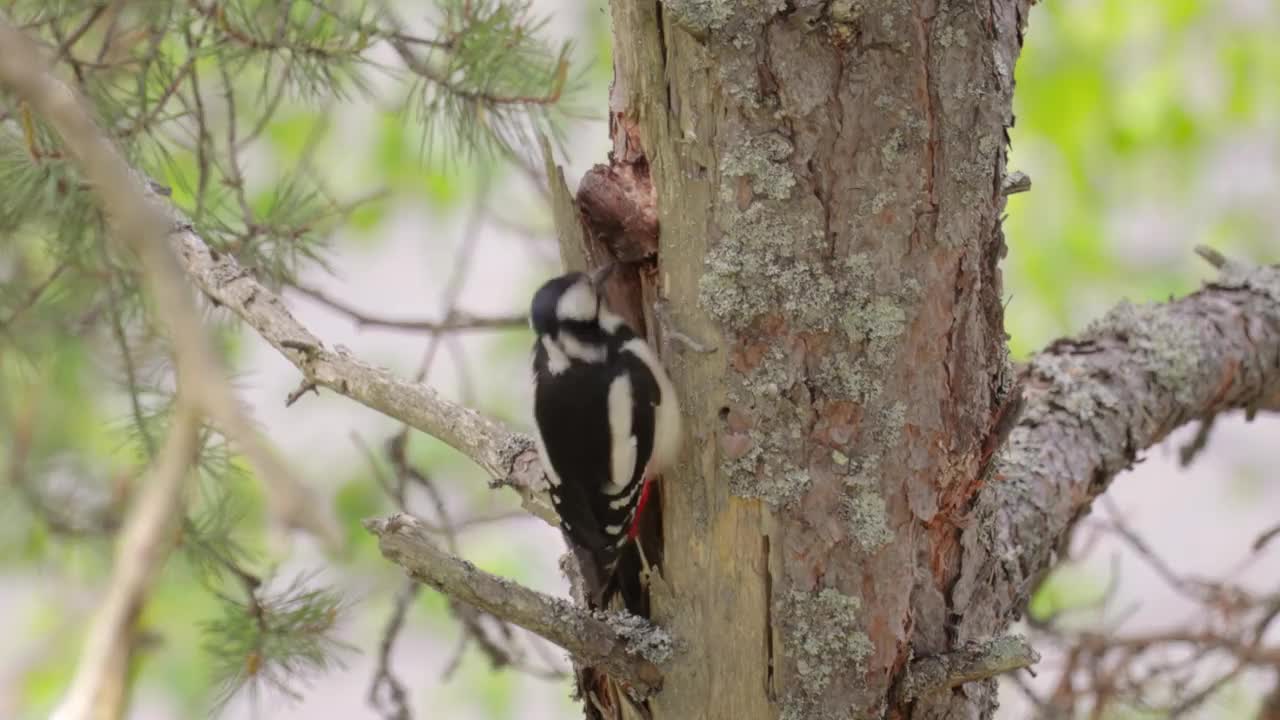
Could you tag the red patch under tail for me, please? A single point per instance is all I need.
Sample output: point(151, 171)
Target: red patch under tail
point(644, 499)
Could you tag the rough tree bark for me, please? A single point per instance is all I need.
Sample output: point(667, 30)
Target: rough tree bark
point(828, 180)
point(845, 537)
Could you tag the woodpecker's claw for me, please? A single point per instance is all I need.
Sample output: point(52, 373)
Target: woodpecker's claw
point(670, 331)
point(645, 569)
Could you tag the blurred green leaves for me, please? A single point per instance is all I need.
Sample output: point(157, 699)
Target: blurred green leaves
point(1128, 115)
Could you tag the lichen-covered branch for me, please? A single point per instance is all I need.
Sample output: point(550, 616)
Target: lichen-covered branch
point(509, 458)
point(973, 661)
point(629, 648)
point(1095, 401)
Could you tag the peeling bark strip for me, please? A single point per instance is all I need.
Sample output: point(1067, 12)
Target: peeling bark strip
point(626, 646)
point(1093, 403)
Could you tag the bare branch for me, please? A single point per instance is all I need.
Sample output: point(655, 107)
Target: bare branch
point(974, 661)
point(628, 648)
point(509, 458)
point(395, 706)
point(99, 687)
point(453, 322)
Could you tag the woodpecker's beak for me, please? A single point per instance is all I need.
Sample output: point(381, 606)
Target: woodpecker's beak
point(600, 274)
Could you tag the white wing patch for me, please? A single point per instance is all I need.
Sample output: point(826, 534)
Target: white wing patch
point(666, 426)
point(577, 303)
point(623, 448)
point(609, 320)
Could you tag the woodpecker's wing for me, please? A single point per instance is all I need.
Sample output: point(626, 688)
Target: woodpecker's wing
point(645, 396)
point(595, 426)
point(569, 407)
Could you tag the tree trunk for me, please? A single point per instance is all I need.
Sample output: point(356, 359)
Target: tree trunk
point(828, 186)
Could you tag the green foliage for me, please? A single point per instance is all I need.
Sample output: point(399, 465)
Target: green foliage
point(1125, 113)
point(273, 639)
point(1069, 588)
point(492, 77)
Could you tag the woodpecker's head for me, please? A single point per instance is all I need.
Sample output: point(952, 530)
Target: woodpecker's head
point(573, 299)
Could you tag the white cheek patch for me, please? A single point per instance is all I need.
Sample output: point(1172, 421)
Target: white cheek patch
point(577, 303)
point(610, 320)
point(557, 360)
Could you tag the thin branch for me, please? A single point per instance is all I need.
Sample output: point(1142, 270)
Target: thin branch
point(32, 297)
point(508, 457)
point(1266, 537)
point(452, 322)
point(974, 661)
point(99, 689)
point(396, 704)
point(628, 648)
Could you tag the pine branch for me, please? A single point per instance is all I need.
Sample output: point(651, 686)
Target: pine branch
point(99, 687)
point(141, 224)
point(452, 322)
point(629, 648)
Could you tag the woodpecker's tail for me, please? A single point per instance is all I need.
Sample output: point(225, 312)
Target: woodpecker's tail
point(626, 581)
point(628, 576)
point(621, 576)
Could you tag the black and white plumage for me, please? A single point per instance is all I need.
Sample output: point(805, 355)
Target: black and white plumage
point(607, 417)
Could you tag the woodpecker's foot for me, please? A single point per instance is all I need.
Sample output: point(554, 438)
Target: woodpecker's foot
point(670, 331)
point(645, 569)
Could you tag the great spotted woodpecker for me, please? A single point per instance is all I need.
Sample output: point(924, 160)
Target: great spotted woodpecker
point(608, 422)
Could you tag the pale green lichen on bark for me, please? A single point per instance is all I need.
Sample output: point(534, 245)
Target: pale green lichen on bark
point(1265, 285)
point(1084, 399)
point(643, 638)
point(699, 16)
point(870, 321)
point(846, 11)
point(763, 159)
point(759, 266)
point(823, 638)
point(1169, 347)
point(865, 511)
point(950, 36)
point(766, 472)
point(891, 150)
